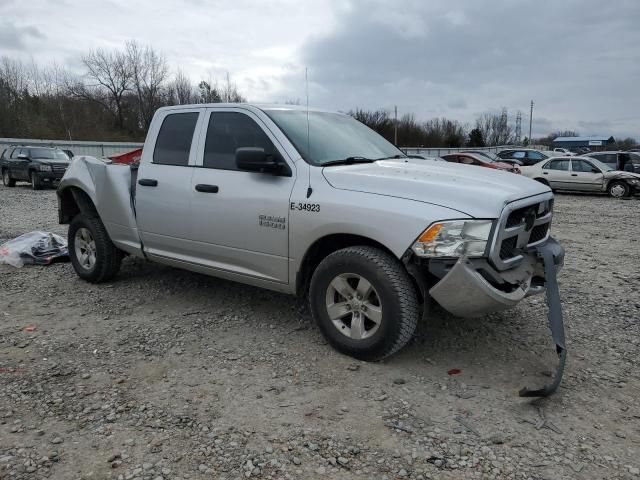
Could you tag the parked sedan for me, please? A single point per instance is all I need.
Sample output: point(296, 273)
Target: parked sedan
point(583, 174)
point(527, 156)
point(480, 161)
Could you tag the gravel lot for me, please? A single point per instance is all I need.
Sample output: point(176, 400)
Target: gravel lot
point(169, 374)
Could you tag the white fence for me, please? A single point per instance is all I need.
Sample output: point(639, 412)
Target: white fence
point(95, 149)
point(437, 152)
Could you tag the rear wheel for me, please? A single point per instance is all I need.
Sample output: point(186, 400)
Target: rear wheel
point(619, 189)
point(7, 181)
point(364, 302)
point(36, 183)
point(93, 255)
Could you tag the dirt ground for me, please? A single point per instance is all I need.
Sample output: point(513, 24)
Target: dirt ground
point(166, 374)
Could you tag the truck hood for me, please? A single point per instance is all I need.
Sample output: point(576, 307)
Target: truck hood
point(475, 191)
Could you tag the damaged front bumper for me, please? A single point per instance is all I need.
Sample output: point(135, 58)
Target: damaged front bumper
point(470, 288)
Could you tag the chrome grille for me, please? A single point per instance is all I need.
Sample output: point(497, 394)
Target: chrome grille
point(59, 169)
point(523, 224)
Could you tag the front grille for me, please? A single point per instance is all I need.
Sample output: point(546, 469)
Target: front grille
point(522, 224)
point(539, 233)
point(59, 169)
point(507, 248)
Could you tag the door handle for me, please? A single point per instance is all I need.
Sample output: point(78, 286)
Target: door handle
point(574, 174)
point(204, 188)
point(148, 182)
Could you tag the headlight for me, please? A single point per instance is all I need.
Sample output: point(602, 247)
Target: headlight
point(45, 168)
point(454, 238)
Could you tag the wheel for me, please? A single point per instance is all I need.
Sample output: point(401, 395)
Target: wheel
point(7, 181)
point(364, 302)
point(93, 256)
point(36, 183)
point(618, 189)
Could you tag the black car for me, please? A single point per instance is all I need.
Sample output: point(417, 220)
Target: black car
point(528, 157)
point(37, 165)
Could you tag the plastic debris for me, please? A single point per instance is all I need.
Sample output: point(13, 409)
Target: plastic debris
point(34, 248)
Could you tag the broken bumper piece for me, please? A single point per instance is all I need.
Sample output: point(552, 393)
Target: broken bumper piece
point(472, 288)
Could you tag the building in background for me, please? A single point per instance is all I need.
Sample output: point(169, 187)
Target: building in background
point(592, 143)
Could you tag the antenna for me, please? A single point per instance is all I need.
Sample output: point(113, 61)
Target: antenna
point(306, 81)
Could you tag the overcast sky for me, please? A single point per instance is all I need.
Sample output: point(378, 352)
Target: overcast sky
point(579, 60)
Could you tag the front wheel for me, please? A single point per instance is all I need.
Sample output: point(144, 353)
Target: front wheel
point(93, 255)
point(7, 181)
point(619, 189)
point(364, 302)
point(36, 183)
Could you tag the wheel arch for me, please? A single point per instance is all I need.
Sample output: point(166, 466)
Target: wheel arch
point(325, 246)
point(73, 201)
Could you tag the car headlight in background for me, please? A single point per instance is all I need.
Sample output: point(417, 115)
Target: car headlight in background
point(45, 168)
point(454, 238)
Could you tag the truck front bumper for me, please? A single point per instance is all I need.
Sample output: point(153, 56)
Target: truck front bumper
point(472, 287)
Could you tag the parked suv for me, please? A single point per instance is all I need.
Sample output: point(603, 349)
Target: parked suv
point(627, 161)
point(527, 156)
point(37, 165)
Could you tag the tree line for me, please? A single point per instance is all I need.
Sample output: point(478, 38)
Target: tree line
point(113, 98)
point(117, 92)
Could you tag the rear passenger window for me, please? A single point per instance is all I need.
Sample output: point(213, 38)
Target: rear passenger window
point(228, 131)
point(174, 139)
point(518, 155)
point(557, 165)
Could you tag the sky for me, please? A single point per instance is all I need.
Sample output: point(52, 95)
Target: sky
point(578, 60)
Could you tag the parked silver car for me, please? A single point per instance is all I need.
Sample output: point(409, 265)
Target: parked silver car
point(583, 174)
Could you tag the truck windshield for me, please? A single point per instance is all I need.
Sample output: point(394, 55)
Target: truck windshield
point(332, 137)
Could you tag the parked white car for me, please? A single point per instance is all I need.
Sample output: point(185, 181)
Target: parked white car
point(583, 174)
point(562, 152)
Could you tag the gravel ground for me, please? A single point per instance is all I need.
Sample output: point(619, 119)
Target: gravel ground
point(167, 374)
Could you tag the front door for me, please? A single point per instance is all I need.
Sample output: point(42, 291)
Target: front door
point(164, 184)
point(240, 219)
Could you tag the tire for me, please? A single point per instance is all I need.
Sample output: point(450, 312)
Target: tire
point(392, 300)
point(619, 189)
point(36, 183)
point(93, 256)
point(7, 181)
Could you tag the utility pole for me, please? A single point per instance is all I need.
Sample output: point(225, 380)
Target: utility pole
point(395, 126)
point(530, 121)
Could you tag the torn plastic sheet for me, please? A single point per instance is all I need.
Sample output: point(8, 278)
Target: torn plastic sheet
point(34, 248)
point(552, 255)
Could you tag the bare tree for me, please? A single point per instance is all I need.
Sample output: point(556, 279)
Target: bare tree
point(181, 89)
point(108, 78)
point(495, 128)
point(149, 71)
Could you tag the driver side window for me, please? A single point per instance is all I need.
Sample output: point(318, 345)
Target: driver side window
point(228, 131)
point(581, 166)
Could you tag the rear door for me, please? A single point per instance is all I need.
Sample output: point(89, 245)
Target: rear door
point(163, 190)
point(585, 175)
point(556, 172)
point(240, 220)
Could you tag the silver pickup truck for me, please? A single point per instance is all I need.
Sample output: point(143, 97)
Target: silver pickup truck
point(313, 203)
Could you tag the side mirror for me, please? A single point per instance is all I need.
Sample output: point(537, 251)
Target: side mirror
point(253, 159)
point(22, 156)
point(595, 170)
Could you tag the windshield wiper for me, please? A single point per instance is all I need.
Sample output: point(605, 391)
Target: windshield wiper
point(349, 161)
point(393, 156)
